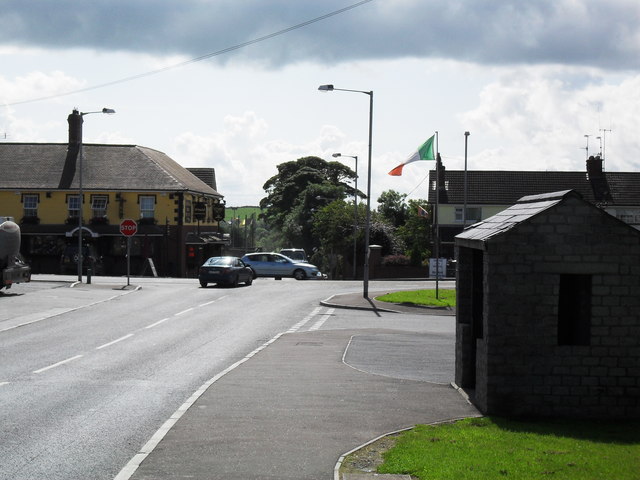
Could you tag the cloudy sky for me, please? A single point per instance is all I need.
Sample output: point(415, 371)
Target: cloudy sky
point(233, 84)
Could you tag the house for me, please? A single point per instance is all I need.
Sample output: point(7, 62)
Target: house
point(547, 317)
point(489, 192)
point(177, 213)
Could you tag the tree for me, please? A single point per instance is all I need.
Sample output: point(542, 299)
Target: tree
point(301, 188)
point(416, 232)
point(333, 227)
point(391, 205)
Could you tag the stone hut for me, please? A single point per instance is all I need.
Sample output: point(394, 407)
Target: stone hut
point(548, 311)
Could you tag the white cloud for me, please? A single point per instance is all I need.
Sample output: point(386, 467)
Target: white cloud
point(541, 114)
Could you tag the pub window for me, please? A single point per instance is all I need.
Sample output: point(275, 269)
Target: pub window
point(574, 310)
point(30, 205)
point(99, 206)
point(73, 205)
point(147, 206)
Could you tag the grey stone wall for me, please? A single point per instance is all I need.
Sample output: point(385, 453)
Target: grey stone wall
point(520, 367)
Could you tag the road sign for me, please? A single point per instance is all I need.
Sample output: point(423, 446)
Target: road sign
point(128, 227)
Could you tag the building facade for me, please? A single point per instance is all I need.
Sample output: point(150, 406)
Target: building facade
point(176, 211)
point(489, 192)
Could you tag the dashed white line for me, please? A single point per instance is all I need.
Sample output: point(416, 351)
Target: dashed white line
point(183, 312)
point(3, 383)
point(57, 364)
point(212, 301)
point(129, 469)
point(320, 322)
point(114, 341)
point(302, 322)
point(157, 323)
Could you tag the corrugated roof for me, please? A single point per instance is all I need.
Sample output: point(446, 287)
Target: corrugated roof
point(39, 166)
point(490, 187)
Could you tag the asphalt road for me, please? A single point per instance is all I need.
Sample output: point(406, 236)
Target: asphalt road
point(88, 374)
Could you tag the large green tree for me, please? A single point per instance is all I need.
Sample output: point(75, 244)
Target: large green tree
point(392, 206)
point(297, 191)
point(417, 231)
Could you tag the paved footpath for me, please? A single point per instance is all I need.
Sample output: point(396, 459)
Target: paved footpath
point(295, 407)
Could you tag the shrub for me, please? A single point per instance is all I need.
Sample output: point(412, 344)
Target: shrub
point(395, 260)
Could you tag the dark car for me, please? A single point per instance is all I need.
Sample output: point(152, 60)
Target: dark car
point(90, 260)
point(226, 271)
point(277, 265)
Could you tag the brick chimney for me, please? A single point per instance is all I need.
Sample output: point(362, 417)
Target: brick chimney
point(75, 139)
point(598, 180)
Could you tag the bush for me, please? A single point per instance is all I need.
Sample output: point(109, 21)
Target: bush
point(396, 260)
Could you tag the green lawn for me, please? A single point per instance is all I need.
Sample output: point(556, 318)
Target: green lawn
point(446, 298)
point(497, 448)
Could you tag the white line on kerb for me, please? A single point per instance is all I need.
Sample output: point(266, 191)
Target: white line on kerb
point(58, 364)
point(114, 341)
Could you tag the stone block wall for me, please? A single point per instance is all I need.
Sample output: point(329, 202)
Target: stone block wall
point(521, 367)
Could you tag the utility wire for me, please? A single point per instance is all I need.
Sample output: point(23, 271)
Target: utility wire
point(197, 59)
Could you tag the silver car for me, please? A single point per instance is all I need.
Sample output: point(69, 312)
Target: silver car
point(277, 265)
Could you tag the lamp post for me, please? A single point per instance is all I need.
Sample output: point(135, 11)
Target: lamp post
point(75, 122)
point(365, 275)
point(355, 211)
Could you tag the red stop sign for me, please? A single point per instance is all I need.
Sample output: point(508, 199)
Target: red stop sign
point(128, 227)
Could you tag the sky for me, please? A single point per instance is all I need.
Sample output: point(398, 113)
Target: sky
point(233, 84)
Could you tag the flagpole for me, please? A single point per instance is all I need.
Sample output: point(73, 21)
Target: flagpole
point(437, 220)
point(464, 212)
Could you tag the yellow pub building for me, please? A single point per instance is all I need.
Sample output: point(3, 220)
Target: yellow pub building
point(177, 210)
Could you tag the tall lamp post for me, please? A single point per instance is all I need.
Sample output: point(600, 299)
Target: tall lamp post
point(365, 275)
point(75, 122)
point(355, 211)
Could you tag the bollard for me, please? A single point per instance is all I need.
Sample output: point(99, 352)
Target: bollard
point(89, 276)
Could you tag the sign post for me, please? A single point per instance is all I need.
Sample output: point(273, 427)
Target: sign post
point(128, 228)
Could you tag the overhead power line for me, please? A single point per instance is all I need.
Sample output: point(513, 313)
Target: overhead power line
point(194, 60)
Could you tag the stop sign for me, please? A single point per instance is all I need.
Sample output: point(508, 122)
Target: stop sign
point(128, 227)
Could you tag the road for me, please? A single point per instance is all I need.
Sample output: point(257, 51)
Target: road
point(88, 374)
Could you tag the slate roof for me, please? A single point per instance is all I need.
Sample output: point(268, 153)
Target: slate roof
point(526, 208)
point(39, 166)
point(490, 187)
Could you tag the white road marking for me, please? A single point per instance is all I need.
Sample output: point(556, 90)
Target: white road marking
point(324, 318)
point(183, 311)
point(129, 469)
point(157, 323)
point(57, 364)
point(212, 301)
point(302, 322)
point(114, 341)
point(4, 383)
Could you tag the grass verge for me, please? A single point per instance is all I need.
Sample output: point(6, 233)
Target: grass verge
point(446, 298)
point(497, 448)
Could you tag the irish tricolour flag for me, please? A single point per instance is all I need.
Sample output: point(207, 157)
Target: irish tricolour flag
point(425, 152)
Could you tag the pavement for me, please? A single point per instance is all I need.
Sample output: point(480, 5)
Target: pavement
point(297, 405)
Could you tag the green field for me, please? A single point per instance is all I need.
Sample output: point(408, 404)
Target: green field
point(241, 212)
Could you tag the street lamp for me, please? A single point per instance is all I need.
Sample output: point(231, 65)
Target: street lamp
point(75, 123)
point(365, 276)
point(355, 210)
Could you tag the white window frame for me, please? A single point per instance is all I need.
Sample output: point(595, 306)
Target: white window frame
point(73, 205)
point(30, 204)
point(145, 211)
point(99, 205)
